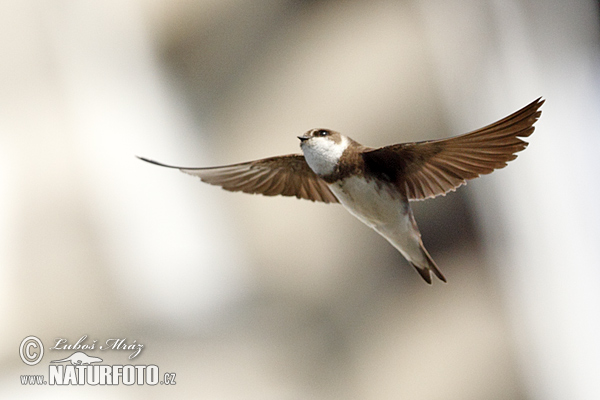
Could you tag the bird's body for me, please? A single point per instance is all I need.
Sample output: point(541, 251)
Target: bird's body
point(375, 201)
point(389, 214)
point(376, 184)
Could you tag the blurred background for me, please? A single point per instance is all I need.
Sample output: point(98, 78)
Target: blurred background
point(247, 297)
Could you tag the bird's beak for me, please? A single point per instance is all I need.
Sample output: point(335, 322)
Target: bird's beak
point(303, 138)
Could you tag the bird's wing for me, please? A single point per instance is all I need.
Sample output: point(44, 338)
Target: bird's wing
point(428, 169)
point(287, 175)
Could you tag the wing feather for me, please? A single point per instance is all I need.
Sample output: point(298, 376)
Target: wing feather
point(287, 175)
point(432, 168)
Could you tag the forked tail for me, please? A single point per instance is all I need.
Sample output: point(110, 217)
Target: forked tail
point(426, 269)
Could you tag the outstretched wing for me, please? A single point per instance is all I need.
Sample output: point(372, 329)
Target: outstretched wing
point(432, 168)
point(287, 175)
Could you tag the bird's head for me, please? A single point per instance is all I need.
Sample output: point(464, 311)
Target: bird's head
point(322, 149)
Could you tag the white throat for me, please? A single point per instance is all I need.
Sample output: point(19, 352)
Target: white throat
point(323, 154)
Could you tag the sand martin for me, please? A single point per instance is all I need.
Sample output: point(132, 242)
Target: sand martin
point(376, 185)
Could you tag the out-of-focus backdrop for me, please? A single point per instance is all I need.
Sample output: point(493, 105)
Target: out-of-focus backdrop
point(246, 297)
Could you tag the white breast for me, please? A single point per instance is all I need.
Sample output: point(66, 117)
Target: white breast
point(323, 154)
point(383, 210)
point(372, 204)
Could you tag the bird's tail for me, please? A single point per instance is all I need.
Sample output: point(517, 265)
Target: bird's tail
point(426, 268)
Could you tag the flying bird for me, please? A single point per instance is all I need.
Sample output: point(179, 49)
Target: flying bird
point(376, 185)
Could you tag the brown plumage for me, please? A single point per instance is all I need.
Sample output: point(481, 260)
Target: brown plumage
point(331, 163)
point(427, 169)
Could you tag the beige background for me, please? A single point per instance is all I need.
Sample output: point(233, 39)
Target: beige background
point(245, 297)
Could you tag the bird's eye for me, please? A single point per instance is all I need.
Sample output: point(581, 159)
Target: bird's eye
point(322, 132)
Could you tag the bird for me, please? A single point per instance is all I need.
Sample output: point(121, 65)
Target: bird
point(376, 185)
